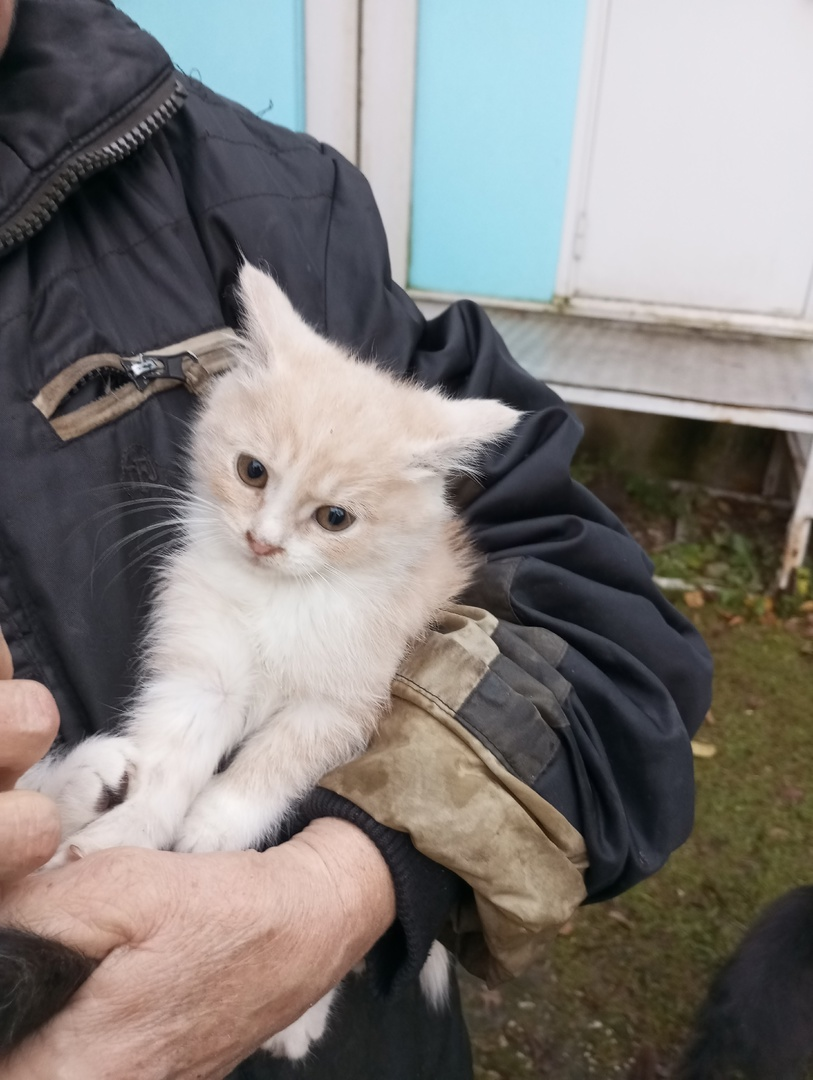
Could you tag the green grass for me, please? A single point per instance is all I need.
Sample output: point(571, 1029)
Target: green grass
point(632, 972)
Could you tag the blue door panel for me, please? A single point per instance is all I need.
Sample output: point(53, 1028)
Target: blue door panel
point(495, 108)
point(252, 51)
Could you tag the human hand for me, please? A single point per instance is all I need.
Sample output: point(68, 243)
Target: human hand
point(203, 956)
point(29, 822)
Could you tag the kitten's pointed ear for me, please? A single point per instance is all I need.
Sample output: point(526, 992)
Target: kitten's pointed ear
point(460, 430)
point(269, 318)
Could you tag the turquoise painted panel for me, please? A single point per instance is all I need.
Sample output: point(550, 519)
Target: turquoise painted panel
point(253, 51)
point(495, 108)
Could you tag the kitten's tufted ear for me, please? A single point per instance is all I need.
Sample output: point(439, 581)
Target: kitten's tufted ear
point(270, 320)
point(459, 430)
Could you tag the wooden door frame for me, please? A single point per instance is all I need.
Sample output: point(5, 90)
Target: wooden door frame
point(360, 58)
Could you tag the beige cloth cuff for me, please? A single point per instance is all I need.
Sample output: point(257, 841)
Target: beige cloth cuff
point(426, 774)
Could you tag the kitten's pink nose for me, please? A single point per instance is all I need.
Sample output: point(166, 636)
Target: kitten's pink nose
point(259, 548)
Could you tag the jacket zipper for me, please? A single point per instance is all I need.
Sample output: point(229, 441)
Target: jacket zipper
point(130, 380)
point(140, 370)
point(157, 109)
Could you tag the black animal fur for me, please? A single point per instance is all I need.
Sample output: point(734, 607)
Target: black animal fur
point(757, 1020)
point(37, 977)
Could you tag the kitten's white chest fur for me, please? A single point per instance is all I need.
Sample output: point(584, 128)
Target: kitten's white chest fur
point(325, 637)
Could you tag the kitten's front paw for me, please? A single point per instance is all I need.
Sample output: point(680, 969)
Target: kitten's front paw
point(86, 782)
point(213, 824)
point(295, 1041)
point(222, 819)
point(133, 824)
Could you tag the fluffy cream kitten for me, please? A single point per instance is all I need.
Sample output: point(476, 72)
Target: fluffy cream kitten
point(318, 544)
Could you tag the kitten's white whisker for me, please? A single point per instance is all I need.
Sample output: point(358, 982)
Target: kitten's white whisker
point(108, 554)
point(122, 509)
point(159, 553)
point(176, 495)
point(132, 537)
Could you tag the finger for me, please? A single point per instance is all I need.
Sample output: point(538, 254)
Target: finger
point(29, 832)
point(29, 721)
point(6, 666)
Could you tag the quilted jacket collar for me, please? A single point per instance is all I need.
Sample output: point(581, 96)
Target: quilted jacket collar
point(81, 86)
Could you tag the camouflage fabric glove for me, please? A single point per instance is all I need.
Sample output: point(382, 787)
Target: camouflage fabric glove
point(452, 765)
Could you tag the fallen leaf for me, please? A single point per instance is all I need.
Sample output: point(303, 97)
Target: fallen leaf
point(736, 620)
point(710, 718)
point(621, 918)
point(703, 749)
point(567, 929)
point(694, 599)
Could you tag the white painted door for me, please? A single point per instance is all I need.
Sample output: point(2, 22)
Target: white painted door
point(697, 183)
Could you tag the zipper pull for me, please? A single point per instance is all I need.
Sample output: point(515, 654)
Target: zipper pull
point(145, 368)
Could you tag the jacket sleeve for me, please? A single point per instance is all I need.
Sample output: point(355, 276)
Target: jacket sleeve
point(539, 743)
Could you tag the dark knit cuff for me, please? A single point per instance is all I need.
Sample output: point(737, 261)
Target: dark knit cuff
point(425, 892)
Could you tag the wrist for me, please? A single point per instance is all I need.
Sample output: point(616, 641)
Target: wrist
point(351, 884)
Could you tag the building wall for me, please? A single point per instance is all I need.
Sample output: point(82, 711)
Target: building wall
point(620, 156)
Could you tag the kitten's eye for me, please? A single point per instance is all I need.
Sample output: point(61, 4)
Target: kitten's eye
point(334, 518)
point(251, 471)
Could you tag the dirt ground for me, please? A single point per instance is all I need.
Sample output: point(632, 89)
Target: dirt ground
point(615, 995)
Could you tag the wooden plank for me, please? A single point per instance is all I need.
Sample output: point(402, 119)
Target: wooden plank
point(740, 379)
point(691, 410)
point(332, 73)
point(623, 311)
point(388, 36)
